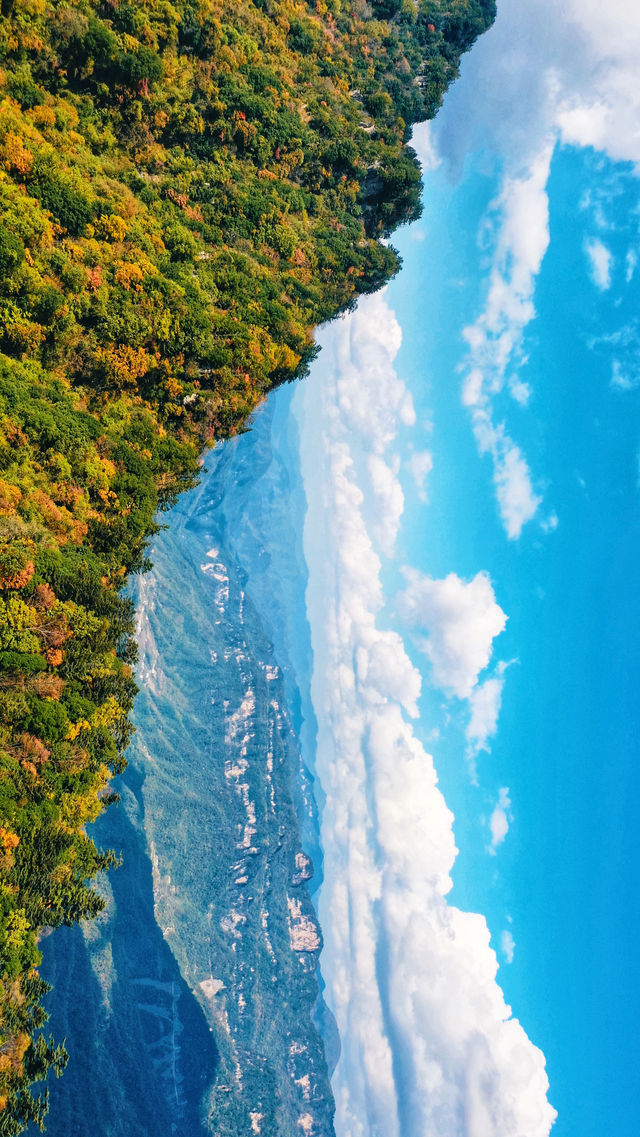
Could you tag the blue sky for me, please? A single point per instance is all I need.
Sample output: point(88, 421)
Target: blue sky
point(469, 446)
point(568, 727)
point(566, 745)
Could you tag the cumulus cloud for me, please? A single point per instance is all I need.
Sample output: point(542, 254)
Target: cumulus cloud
point(456, 622)
point(429, 1045)
point(500, 819)
point(598, 103)
point(600, 262)
point(516, 499)
point(578, 81)
point(485, 702)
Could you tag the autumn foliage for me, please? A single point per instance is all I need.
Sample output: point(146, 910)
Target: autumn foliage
point(186, 190)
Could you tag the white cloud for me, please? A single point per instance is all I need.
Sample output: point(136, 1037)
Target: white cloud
point(519, 95)
point(631, 261)
point(577, 81)
point(427, 1038)
point(519, 390)
point(621, 379)
point(500, 819)
point(495, 340)
point(600, 262)
point(434, 1019)
point(507, 945)
point(389, 500)
point(516, 499)
point(484, 700)
point(425, 147)
point(625, 370)
point(599, 103)
point(420, 466)
point(459, 619)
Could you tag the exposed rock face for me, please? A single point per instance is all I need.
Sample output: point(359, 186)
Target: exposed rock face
point(303, 930)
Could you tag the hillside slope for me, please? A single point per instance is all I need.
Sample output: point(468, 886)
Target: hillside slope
point(186, 190)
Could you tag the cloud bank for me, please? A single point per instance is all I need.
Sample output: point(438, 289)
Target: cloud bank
point(429, 1046)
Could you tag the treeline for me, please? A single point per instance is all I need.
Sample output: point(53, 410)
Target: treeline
point(186, 190)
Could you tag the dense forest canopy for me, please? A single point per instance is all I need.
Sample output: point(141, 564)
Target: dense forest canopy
point(186, 190)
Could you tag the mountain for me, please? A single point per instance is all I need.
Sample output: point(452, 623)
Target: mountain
point(186, 191)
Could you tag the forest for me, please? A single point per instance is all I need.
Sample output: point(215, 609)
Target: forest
point(187, 189)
